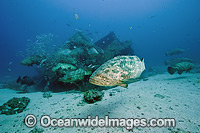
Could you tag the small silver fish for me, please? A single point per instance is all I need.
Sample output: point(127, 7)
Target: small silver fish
point(76, 16)
point(10, 63)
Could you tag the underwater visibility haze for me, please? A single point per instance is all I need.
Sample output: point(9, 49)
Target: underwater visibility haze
point(121, 58)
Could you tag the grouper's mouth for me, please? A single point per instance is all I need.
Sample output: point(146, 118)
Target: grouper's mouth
point(95, 81)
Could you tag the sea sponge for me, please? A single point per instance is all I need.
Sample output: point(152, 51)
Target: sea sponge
point(92, 96)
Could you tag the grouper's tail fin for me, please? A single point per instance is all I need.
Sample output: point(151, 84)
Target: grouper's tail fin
point(171, 70)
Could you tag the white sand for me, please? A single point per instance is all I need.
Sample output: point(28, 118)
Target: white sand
point(181, 101)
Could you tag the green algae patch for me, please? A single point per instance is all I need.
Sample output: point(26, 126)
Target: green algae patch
point(159, 96)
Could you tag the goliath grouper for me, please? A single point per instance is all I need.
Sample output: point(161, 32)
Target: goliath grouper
point(118, 71)
point(25, 80)
point(174, 52)
point(180, 67)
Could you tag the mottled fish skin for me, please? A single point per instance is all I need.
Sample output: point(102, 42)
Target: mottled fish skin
point(184, 66)
point(180, 67)
point(117, 70)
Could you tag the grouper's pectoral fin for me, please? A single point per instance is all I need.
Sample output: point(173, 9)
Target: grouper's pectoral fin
point(122, 84)
point(131, 80)
point(180, 72)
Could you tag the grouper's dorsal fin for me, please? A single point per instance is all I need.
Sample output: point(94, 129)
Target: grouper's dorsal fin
point(122, 84)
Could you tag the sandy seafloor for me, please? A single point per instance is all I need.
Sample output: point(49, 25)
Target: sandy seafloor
point(181, 101)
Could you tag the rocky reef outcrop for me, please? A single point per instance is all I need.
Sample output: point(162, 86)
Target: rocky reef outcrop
point(72, 64)
point(110, 46)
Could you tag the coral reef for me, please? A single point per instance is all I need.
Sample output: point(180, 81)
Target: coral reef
point(111, 47)
point(14, 105)
point(92, 96)
point(79, 40)
point(81, 49)
point(72, 64)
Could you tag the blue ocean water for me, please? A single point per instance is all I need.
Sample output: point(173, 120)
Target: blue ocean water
point(153, 26)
